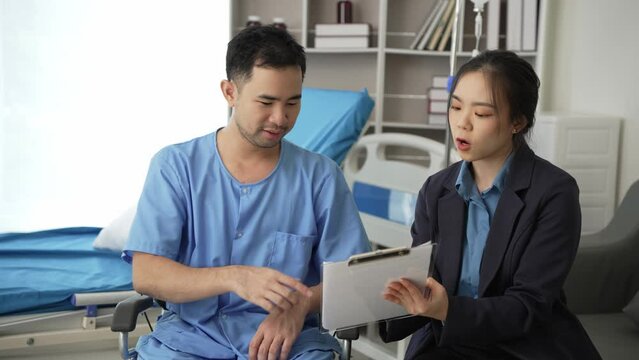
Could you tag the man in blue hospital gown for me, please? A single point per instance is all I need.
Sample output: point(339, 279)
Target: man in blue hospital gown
point(232, 227)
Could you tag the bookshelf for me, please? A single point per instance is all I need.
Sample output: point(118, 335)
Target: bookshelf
point(396, 76)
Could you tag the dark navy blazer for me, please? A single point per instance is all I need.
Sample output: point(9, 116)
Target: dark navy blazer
point(521, 310)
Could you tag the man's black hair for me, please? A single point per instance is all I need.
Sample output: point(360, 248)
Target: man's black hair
point(262, 46)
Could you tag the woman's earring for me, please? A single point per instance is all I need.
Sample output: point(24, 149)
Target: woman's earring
point(515, 131)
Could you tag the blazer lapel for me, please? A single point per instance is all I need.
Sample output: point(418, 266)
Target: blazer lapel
point(506, 214)
point(510, 205)
point(451, 219)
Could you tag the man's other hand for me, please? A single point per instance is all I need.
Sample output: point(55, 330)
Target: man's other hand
point(277, 333)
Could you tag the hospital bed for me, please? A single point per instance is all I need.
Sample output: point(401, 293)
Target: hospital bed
point(385, 172)
point(58, 292)
point(329, 123)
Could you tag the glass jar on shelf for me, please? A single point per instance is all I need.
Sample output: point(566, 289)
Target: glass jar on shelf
point(279, 23)
point(253, 20)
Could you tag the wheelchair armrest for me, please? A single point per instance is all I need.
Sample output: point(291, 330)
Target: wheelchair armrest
point(127, 311)
point(348, 334)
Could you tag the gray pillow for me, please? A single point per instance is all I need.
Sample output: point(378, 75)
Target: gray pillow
point(632, 309)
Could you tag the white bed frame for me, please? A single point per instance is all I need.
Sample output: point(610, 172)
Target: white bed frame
point(380, 169)
point(84, 330)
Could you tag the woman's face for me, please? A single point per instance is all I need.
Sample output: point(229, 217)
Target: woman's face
point(480, 127)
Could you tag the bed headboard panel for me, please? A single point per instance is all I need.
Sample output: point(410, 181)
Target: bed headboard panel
point(385, 190)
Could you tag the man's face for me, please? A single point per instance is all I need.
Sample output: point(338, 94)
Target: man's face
point(267, 105)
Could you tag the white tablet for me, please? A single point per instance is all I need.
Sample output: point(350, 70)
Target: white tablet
point(352, 289)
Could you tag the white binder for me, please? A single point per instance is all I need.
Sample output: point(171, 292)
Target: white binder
point(352, 289)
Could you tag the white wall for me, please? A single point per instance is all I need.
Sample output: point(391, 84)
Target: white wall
point(592, 56)
point(90, 90)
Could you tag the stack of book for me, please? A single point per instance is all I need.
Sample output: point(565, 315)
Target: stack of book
point(437, 99)
point(342, 35)
point(436, 30)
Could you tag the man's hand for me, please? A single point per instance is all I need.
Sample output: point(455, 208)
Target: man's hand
point(268, 288)
point(277, 333)
point(434, 304)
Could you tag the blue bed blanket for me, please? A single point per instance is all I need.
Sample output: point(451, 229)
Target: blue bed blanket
point(40, 271)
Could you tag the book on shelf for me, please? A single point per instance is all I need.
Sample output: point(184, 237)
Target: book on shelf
point(440, 94)
point(514, 10)
point(440, 81)
point(439, 12)
point(447, 31)
point(437, 106)
point(432, 43)
point(360, 29)
point(426, 25)
point(437, 119)
point(529, 25)
point(323, 42)
point(492, 24)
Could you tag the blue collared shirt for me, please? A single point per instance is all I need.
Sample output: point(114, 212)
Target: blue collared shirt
point(193, 211)
point(481, 209)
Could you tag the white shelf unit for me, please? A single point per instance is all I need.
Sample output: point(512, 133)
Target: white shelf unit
point(395, 76)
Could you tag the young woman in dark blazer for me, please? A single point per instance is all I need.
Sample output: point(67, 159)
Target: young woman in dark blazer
point(507, 224)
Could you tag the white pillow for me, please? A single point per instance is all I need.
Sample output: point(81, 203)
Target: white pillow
point(114, 236)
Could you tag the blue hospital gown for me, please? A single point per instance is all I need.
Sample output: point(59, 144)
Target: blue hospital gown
point(193, 211)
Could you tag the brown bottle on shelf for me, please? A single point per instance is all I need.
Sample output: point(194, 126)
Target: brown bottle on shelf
point(344, 12)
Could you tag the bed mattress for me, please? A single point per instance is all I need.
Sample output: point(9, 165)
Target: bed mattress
point(40, 271)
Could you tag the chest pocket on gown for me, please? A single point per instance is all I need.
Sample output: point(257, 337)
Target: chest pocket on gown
point(292, 254)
